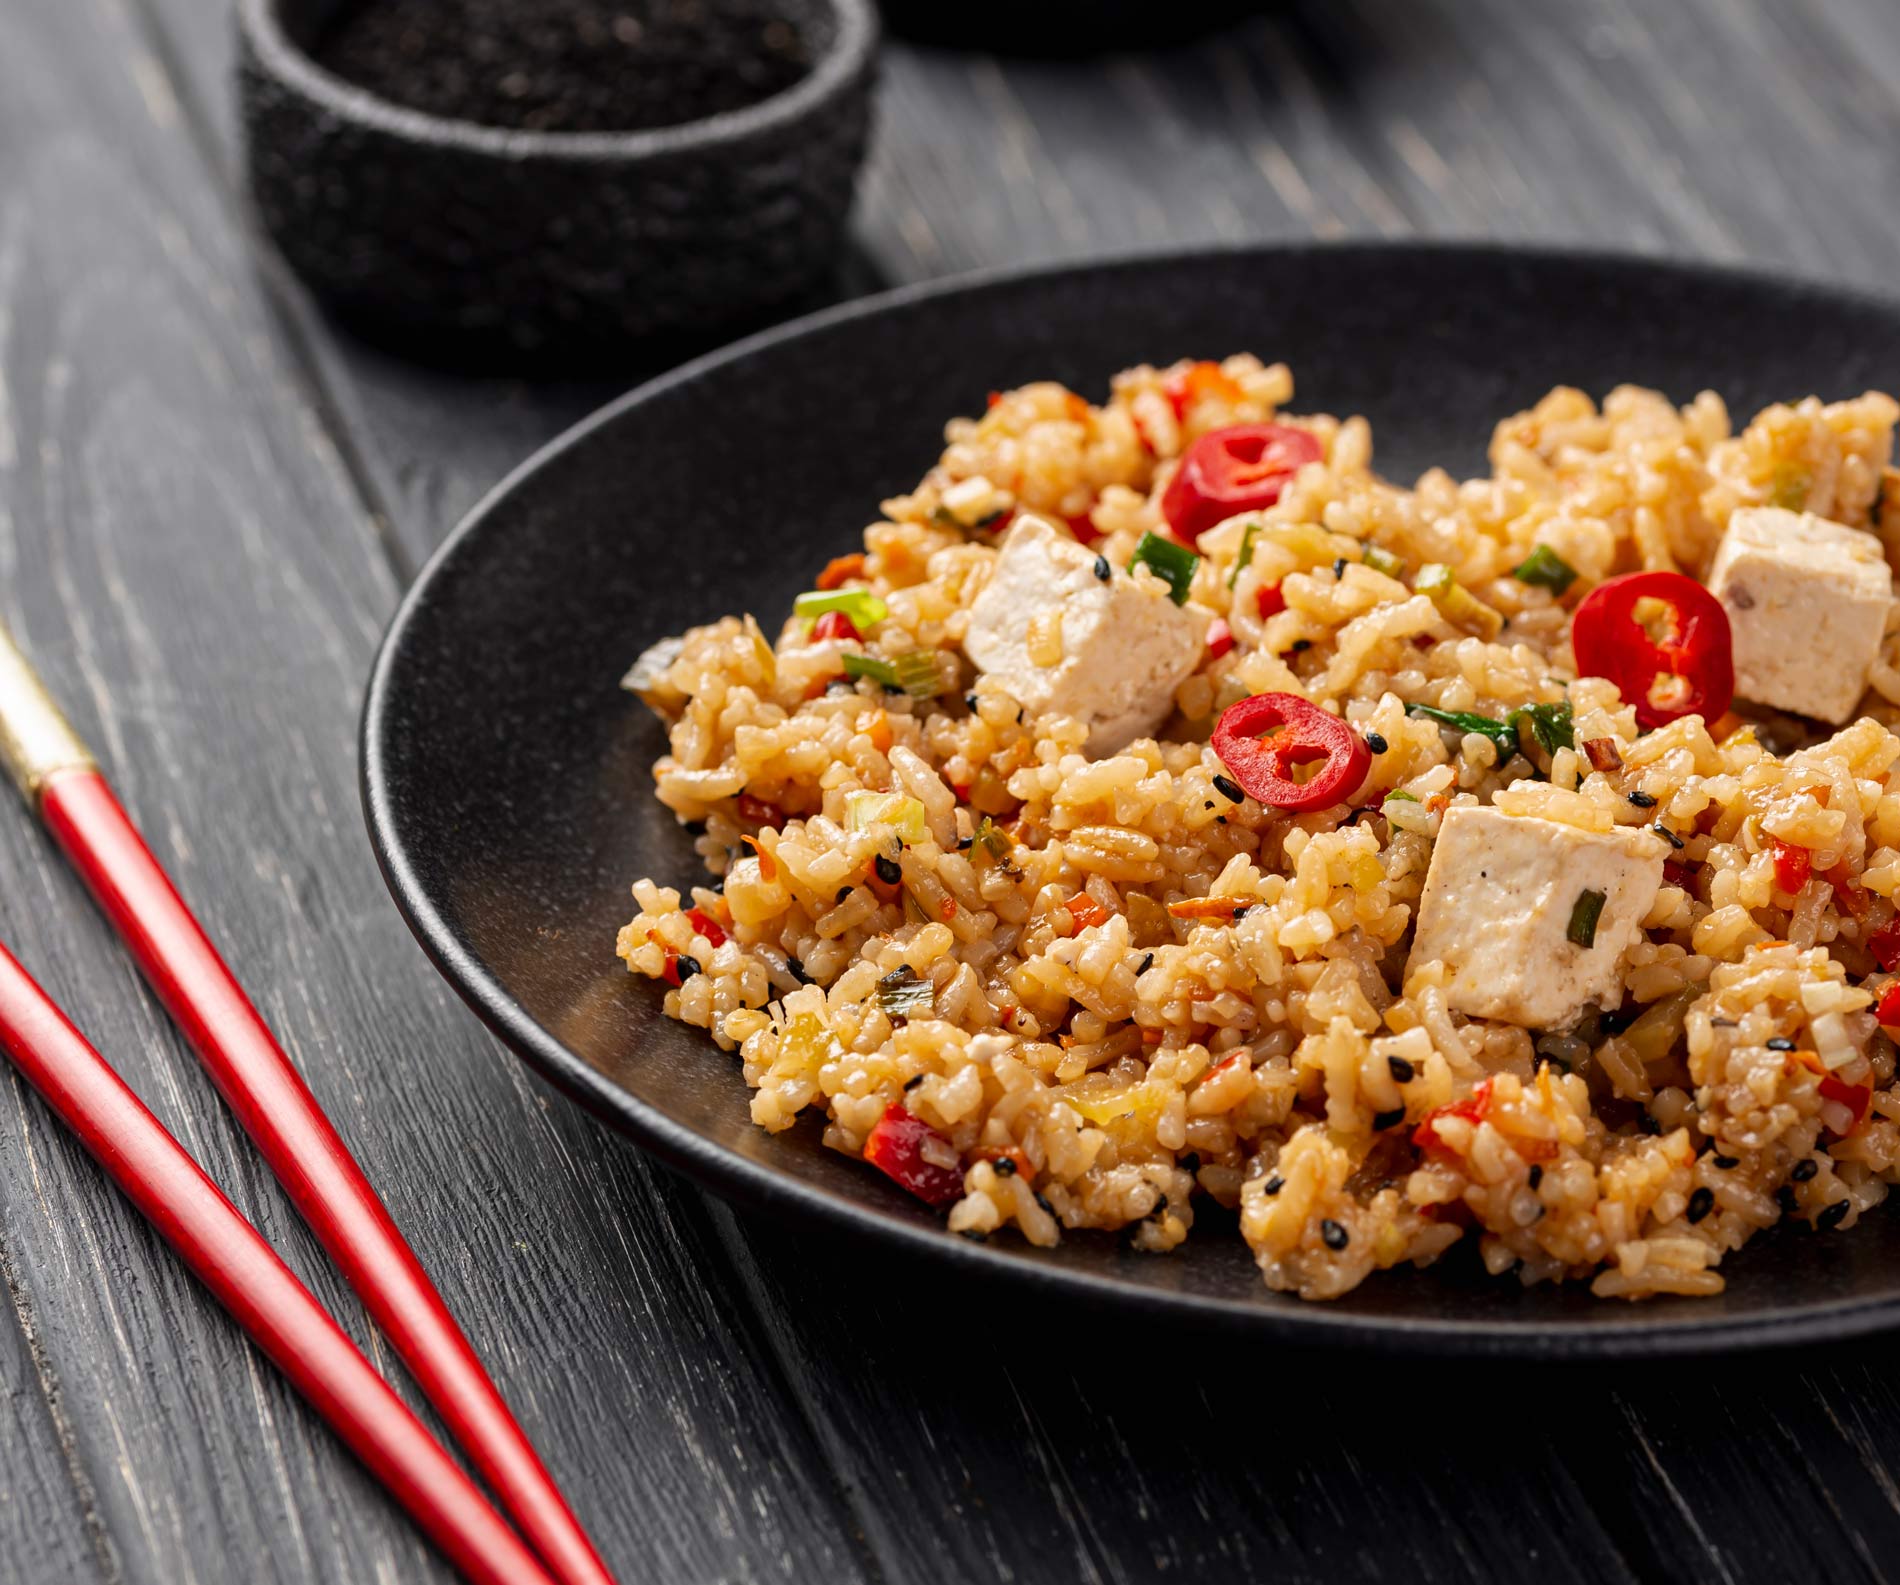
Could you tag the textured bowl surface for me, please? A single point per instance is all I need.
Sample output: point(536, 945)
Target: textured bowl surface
point(505, 773)
point(559, 246)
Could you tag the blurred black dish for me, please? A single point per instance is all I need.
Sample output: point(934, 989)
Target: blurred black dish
point(1061, 27)
point(435, 228)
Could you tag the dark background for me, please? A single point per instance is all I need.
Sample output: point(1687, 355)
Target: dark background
point(209, 501)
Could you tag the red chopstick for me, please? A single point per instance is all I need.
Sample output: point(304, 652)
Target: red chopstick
point(231, 1258)
point(59, 780)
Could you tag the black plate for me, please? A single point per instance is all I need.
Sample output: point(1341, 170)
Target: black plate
point(505, 773)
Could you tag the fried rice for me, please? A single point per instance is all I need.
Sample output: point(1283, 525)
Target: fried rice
point(1098, 992)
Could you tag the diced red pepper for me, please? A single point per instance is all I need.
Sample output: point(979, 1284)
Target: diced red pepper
point(1888, 1009)
point(995, 399)
point(835, 624)
point(756, 811)
point(1220, 638)
point(671, 971)
point(1186, 386)
point(895, 1148)
point(1084, 529)
point(1086, 912)
point(706, 925)
point(1270, 600)
point(1857, 1098)
point(1472, 1109)
point(1696, 652)
point(1793, 864)
point(1244, 468)
point(840, 570)
point(1301, 733)
point(1884, 944)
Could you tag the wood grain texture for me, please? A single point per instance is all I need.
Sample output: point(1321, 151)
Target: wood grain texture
point(184, 552)
point(726, 1402)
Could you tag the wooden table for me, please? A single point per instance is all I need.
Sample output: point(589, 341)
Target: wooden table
point(209, 501)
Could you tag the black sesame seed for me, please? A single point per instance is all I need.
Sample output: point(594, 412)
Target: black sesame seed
point(1536, 1173)
point(1376, 743)
point(687, 966)
point(1641, 799)
point(1725, 1162)
point(1301, 644)
point(1229, 790)
point(1047, 1208)
point(1003, 1167)
point(912, 1082)
point(1209, 804)
point(843, 892)
point(1336, 1236)
point(1381, 1121)
point(1833, 1216)
point(1161, 1204)
point(970, 700)
point(1220, 820)
point(1648, 1124)
point(1191, 1162)
point(1668, 836)
point(887, 869)
point(1146, 964)
point(1780, 1043)
point(1102, 568)
point(1700, 1204)
point(797, 970)
point(964, 844)
point(1273, 1185)
point(1784, 1197)
point(1339, 567)
point(1402, 1071)
point(696, 827)
point(1239, 914)
point(1019, 715)
point(1805, 1169)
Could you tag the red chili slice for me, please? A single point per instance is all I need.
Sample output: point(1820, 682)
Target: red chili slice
point(1857, 1098)
point(1307, 733)
point(895, 1148)
point(1220, 638)
point(1888, 1011)
point(835, 624)
point(1472, 1109)
point(1228, 471)
point(1696, 650)
point(706, 925)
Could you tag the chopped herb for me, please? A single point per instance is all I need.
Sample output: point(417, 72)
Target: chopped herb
point(870, 666)
point(1376, 743)
point(1401, 796)
point(1402, 1071)
point(912, 1082)
point(1336, 1236)
point(1700, 1204)
point(1228, 790)
point(1246, 552)
point(1379, 559)
point(903, 993)
point(1273, 1185)
point(1668, 836)
point(1584, 914)
point(1833, 1216)
point(1102, 569)
point(1641, 799)
point(1339, 566)
point(993, 839)
point(1381, 1121)
point(925, 673)
point(1546, 569)
point(1550, 725)
point(1804, 1169)
point(1457, 604)
point(1502, 734)
point(864, 609)
point(1780, 1043)
point(1173, 564)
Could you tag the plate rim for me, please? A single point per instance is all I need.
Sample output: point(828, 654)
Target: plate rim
point(753, 1183)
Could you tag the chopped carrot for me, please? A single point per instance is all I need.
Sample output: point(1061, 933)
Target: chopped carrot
point(1208, 908)
point(840, 569)
point(768, 866)
point(1085, 911)
point(880, 733)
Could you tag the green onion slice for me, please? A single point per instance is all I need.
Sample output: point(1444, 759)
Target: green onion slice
point(864, 811)
point(1457, 604)
point(864, 608)
point(992, 838)
point(1584, 914)
point(1173, 564)
point(1400, 795)
point(925, 673)
point(870, 666)
point(1546, 569)
point(1246, 552)
point(1379, 559)
point(904, 993)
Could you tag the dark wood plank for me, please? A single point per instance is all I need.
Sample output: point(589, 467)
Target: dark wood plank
point(184, 553)
point(1758, 132)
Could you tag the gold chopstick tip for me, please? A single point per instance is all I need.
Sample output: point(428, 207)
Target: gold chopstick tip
point(36, 739)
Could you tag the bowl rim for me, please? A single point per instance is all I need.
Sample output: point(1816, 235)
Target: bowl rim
point(848, 58)
point(1636, 1335)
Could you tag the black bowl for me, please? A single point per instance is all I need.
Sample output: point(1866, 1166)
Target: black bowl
point(563, 245)
point(505, 773)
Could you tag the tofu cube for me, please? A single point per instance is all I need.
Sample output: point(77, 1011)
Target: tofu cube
point(1497, 908)
point(1062, 640)
point(1807, 604)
